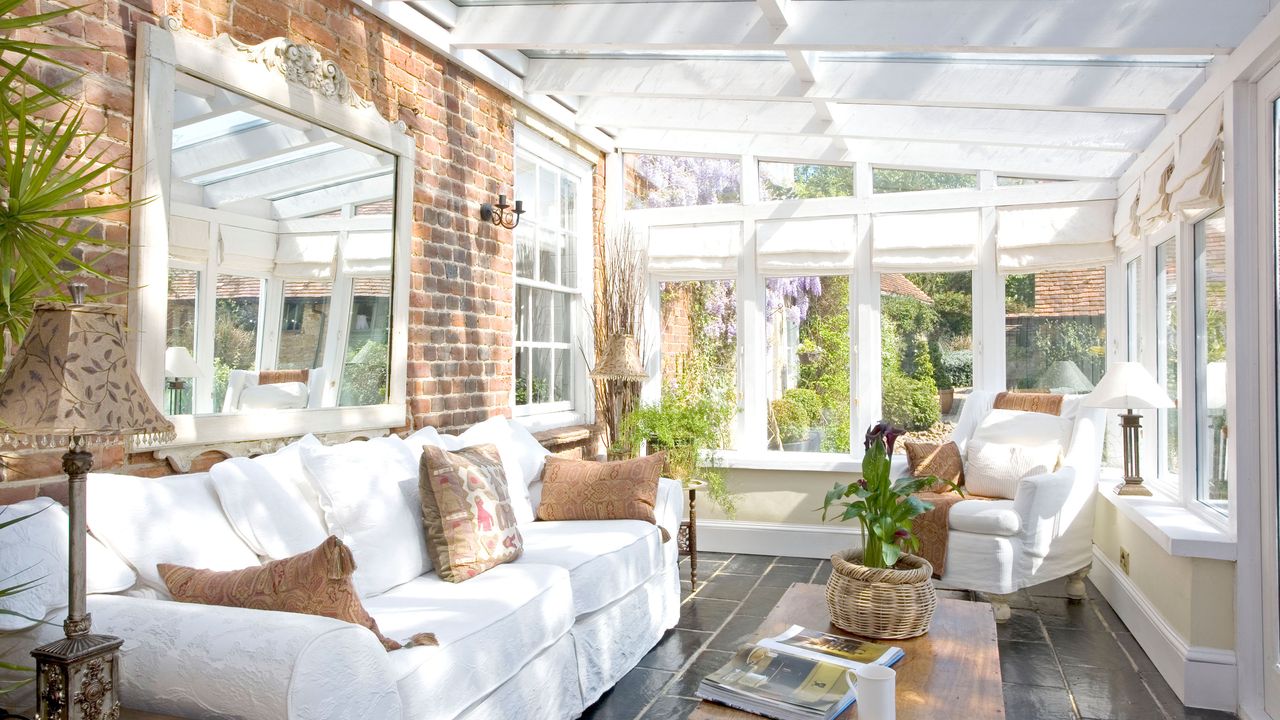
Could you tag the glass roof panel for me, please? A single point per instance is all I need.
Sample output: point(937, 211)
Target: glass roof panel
point(1019, 58)
point(267, 162)
point(663, 54)
point(215, 127)
point(491, 3)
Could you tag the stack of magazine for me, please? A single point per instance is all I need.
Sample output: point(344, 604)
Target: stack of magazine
point(798, 675)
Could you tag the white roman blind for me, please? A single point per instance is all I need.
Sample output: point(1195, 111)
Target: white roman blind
point(1060, 236)
point(306, 256)
point(1125, 226)
point(810, 246)
point(1153, 196)
point(188, 239)
point(939, 240)
point(1196, 182)
point(695, 252)
point(367, 253)
point(245, 249)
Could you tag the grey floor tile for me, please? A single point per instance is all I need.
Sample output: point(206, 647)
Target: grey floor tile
point(811, 563)
point(761, 601)
point(675, 649)
point(670, 708)
point(1030, 702)
point(1091, 649)
point(824, 572)
point(1107, 694)
point(706, 615)
point(784, 576)
point(1061, 612)
point(748, 564)
point(727, 587)
point(711, 557)
point(1030, 663)
point(1022, 626)
point(738, 631)
point(707, 662)
point(626, 699)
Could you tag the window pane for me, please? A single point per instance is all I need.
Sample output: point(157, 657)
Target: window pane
point(926, 336)
point(522, 313)
point(699, 348)
point(525, 260)
point(1211, 352)
point(564, 366)
point(568, 203)
point(184, 289)
point(235, 329)
point(548, 255)
point(522, 376)
point(365, 367)
point(563, 320)
point(1167, 353)
point(657, 181)
point(567, 261)
point(304, 320)
point(540, 322)
point(1055, 330)
point(1011, 181)
point(807, 359)
point(1133, 308)
point(548, 207)
point(785, 181)
point(541, 375)
point(889, 180)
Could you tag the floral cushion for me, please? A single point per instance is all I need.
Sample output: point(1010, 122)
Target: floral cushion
point(316, 582)
point(467, 513)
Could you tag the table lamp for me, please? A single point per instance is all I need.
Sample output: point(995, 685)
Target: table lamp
point(1128, 386)
point(70, 384)
point(178, 367)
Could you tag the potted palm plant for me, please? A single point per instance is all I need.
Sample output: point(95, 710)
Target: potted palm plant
point(882, 590)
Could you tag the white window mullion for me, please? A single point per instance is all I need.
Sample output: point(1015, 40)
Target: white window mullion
point(988, 302)
point(752, 341)
point(1188, 360)
point(864, 319)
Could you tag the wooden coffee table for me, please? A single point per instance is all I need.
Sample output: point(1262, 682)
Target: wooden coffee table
point(953, 671)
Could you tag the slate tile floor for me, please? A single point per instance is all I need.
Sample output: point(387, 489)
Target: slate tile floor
point(1059, 661)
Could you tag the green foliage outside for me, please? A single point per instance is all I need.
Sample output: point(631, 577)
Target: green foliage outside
point(890, 180)
point(795, 414)
point(811, 181)
point(825, 360)
point(955, 368)
point(908, 388)
point(364, 380)
point(235, 341)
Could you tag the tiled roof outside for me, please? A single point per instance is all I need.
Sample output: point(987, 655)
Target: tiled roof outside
point(1069, 293)
point(898, 284)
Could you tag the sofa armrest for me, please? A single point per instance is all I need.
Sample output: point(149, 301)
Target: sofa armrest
point(203, 661)
point(1051, 507)
point(669, 508)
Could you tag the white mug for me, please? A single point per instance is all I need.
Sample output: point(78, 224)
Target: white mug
point(876, 692)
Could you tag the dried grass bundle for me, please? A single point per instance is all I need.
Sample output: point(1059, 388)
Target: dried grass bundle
point(620, 311)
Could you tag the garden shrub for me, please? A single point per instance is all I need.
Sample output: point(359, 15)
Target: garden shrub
point(808, 402)
point(910, 403)
point(791, 420)
point(956, 366)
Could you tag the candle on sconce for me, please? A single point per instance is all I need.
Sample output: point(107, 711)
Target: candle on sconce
point(502, 201)
point(519, 207)
point(876, 699)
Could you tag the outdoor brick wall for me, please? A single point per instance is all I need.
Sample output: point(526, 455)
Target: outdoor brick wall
point(460, 355)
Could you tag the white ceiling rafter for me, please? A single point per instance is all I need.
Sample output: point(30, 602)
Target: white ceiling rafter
point(1075, 26)
point(319, 171)
point(1116, 87)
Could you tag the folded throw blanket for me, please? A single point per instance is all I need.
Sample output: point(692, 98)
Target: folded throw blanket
point(933, 527)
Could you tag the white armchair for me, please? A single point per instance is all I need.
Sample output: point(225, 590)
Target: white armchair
point(1045, 532)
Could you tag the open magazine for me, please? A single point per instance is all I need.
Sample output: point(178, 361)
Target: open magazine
point(799, 674)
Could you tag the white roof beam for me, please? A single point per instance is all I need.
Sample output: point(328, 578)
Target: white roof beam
point(314, 172)
point(1042, 162)
point(1073, 26)
point(775, 12)
point(1021, 128)
point(257, 144)
point(1107, 88)
point(325, 199)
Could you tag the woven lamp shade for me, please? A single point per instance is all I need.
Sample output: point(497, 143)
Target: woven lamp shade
point(71, 378)
point(621, 361)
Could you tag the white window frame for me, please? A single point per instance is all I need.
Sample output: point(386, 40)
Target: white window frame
point(580, 408)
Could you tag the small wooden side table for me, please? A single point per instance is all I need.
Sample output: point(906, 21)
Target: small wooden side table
point(687, 539)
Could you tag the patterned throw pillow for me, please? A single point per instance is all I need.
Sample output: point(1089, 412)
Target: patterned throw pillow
point(465, 509)
point(316, 582)
point(941, 460)
point(586, 490)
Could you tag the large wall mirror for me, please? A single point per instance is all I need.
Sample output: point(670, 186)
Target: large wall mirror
point(278, 304)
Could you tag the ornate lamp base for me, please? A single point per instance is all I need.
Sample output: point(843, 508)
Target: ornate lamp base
point(77, 678)
point(1130, 428)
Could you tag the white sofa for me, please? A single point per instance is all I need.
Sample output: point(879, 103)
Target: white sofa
point(542, 637)
point(1044, 533)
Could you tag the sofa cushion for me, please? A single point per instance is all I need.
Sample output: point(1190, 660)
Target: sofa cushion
point(985, 517)
point(316, 582)
point(588, 490)
point(606, 559)
point(268, 509)
point(175, 519)
point(522, 458)
point(487, 629)
point(940, 460)
point(993, 469)
point(466, 513)
point(1019, 427)
point(370, 500)
point(35, 550)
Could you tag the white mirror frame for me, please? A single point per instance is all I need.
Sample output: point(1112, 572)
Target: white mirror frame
point(295, 79)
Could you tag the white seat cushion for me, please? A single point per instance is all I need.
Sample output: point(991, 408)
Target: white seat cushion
point(1018, 427)
point(985, 517)
point(993, 469)
point(175, 519)
point(488, 628)
point(606, 559)
point(268, 509)
point(369, 493)
point(36, 550)
point(274, 396)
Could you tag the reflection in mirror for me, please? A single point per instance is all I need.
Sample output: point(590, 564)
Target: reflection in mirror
point(280, 259)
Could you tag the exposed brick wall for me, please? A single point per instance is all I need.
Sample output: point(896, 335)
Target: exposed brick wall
point(461, 305)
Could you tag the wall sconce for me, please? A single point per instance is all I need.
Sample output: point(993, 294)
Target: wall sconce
point(498, 215)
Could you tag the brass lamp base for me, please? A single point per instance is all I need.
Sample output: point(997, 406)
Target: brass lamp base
point(1130, 427)
point(77, 678)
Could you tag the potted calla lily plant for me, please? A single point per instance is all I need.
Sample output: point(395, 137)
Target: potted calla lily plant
point(881, 590)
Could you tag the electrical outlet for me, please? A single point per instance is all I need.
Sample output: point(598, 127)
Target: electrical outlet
point(1124, 560)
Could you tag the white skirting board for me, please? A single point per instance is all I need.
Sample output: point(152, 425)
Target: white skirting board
point(1202, 677)
point(761, 538)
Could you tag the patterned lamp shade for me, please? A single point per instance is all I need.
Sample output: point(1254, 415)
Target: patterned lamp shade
point(71, 378)
point(620, 361)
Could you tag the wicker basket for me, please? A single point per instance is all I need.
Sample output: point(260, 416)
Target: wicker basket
point(885, 604)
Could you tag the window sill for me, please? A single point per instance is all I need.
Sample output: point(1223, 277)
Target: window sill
point(1177, 530)
point(793, 461)
point(550, 421)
